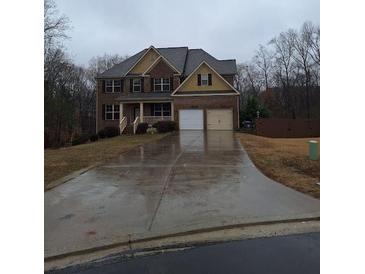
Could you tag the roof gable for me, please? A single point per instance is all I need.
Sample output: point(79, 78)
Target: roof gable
point(219, 84)
point(161, 61)
point(145, 61)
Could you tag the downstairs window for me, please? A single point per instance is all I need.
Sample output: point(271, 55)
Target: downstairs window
point(112, 112)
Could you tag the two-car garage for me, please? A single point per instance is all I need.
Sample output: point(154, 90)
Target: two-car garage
point(215, 112)
point(216, 119)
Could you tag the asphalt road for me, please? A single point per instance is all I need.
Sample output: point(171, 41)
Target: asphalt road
point(281, 254)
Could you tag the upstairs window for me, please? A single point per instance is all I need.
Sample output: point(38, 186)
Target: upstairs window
point(117, 86)
point(113, 86)
point(204, 79)
point(136, 85)
point(112, 112)
point(109, 86)
point(162, 84)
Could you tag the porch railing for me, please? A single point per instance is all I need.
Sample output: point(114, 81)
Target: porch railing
point(153, 119)
point(135, 124)
point(122, 124)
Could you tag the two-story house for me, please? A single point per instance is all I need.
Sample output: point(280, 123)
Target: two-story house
point(188, 86)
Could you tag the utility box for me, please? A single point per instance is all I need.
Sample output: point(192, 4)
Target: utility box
point(313, 150)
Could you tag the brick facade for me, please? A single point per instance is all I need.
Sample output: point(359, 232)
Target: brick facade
point(107, 99)
point(207, 102)
point(163, 70)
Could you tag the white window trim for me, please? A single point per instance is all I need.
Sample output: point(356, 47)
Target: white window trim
point(136, 85)
point(161, 84)
point(112, 86)
point(162, 110)
point(207, 79)
point(113, 111)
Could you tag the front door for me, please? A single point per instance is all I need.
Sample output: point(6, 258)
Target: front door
point(135, 113)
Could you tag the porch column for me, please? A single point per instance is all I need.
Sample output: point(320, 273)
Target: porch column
point(172, 111)
point(141, 111)
point(120, 111)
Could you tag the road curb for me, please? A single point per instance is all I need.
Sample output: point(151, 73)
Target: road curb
point(191, 232)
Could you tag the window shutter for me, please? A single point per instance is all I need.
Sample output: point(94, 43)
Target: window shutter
point(131, 85)
point(152, 84)
point(103, 86)
point(152, 109)
point(103, 110)
point(171, 83)
point(121, 85)
point(142, 85)
point(199, 79)
point(209, 79)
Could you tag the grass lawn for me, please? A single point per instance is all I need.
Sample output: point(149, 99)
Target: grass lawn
point(61, 162)
point(284, 160)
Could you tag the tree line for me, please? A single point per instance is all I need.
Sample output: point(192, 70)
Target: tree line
point(283, 76)
point(69, 89)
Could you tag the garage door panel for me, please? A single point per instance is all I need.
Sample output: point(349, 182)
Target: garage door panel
point(191, 119)
point(220, 119)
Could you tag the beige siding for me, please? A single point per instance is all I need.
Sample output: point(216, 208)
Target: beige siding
point(217, 83)
point(145, 62)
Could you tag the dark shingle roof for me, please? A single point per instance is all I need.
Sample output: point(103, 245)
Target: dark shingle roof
point(120, 69)
point(197, 56)
point(146, 96)
point(176, 56)
point(182, 58)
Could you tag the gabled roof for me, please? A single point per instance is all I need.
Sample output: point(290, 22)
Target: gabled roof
point(197, 56)
point(183, 59)
point(120, 69)
point(235, 91)
point(158, 60)
point(176, 56)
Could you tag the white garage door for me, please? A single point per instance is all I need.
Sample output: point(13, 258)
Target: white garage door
point(191, 119)
point(220, 119)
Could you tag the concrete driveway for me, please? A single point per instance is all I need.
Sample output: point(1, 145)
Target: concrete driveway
point(188, 181)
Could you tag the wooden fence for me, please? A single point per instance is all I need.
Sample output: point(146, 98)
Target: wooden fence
point(287, 128)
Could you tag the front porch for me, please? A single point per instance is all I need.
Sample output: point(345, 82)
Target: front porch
point(133, 113)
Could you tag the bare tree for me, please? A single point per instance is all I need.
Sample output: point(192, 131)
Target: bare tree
point(284, 51)
point(302, 45)
point(313, 33)
point(263, 60)
point(289, 68)
point(55, 25)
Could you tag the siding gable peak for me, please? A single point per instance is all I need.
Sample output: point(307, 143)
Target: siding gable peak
point(218, 84)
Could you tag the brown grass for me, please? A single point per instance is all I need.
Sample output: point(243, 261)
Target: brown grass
point(61, 162)
point(285, 160)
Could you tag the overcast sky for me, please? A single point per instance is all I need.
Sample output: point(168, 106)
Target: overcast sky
point(227, 29)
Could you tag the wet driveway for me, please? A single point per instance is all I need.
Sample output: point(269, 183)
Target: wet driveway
point(187, 181)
